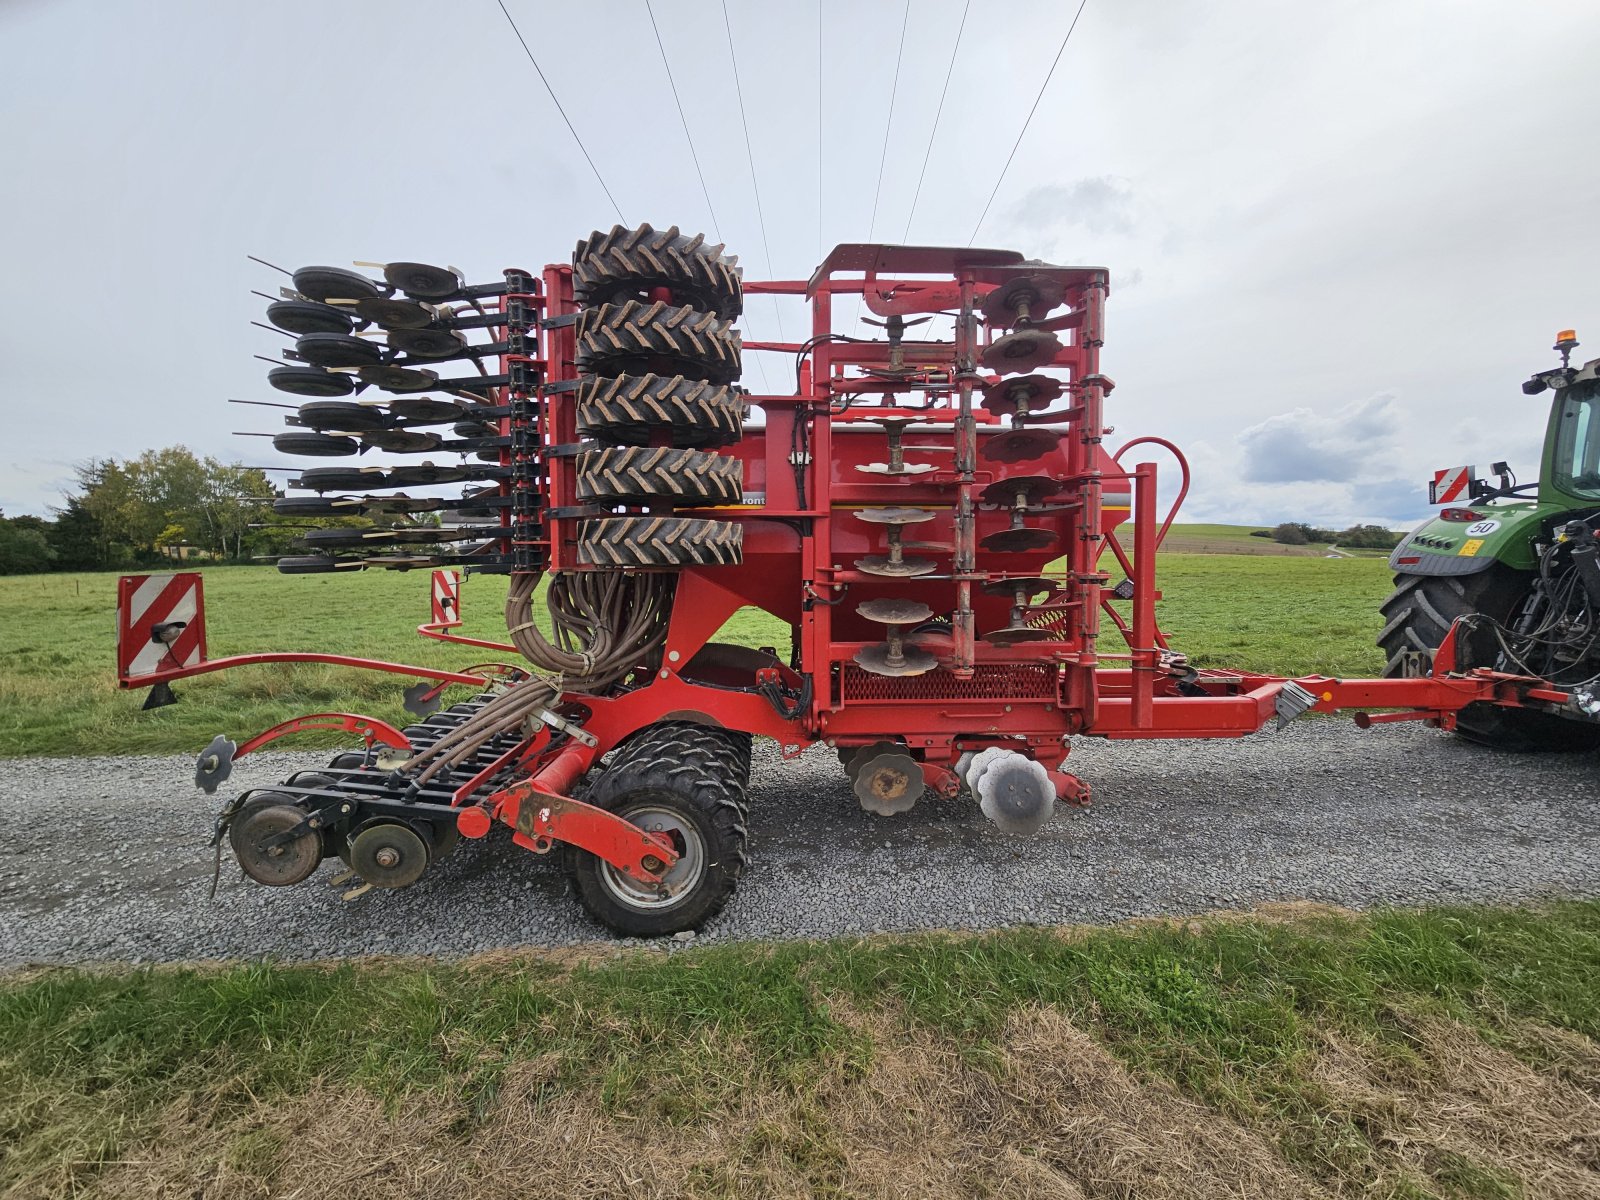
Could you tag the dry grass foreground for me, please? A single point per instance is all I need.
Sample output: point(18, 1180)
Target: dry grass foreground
point(1443, 1091)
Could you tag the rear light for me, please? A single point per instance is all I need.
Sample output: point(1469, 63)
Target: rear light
point(1408, 560)
point(1459, 514)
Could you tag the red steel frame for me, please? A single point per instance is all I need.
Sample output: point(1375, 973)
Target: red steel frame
point(800, 541)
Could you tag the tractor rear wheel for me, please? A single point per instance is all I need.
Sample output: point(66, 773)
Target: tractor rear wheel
point(636, 338)
point(1419, 613)
point(689, 783)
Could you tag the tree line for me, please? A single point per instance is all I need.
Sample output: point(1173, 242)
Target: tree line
point(1357, 537)
point(149, 510)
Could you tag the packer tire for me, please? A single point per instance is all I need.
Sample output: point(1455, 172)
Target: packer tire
point(638, 338)
point(1418, 614)
point(635, 474)
point(627, 264)
point(635, 409)
point(653, 541)
point(699, 776)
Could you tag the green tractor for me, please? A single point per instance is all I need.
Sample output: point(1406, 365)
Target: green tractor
point(1518, 565)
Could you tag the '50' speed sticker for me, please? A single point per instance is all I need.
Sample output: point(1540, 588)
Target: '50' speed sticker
point(1482, 528)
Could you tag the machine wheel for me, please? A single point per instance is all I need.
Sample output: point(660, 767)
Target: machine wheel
point(635, 474)
point(1418, 614)
point(687, 781)
point(627, 264)
point(636, 338)
point(650, 541)
point(634, 409)
point(261, 818)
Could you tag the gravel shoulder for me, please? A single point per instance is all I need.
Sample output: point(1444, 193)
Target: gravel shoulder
point(107, 858)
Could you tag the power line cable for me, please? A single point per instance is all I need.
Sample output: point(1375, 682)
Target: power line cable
point(689, 137)
point(1025, 124)
point(562, 111)
point(755, 185)
point(934, 132)
point(894, 88)
point(819, 131)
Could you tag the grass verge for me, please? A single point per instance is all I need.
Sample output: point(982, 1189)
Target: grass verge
point(1404, 1054)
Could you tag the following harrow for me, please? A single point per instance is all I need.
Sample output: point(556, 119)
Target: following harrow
point(968, 572)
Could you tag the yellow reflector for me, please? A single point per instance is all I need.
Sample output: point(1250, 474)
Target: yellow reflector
point(1326, 696)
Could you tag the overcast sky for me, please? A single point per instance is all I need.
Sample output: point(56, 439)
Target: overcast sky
point(1339, 233)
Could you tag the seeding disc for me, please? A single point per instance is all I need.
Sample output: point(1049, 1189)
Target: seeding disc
point(882, 564)
point(426, 410)
point(427, 343)
point(393, 313)
point(1013, 635)
point(905, 468)
point(214, 765)
point(472, 430)
point(1032, 585)
point(307, 316)
point(913, 661)
point(426, 473)
point(314, 506)
point(1001, 398)
point(895, 516)
point(337, 350)
point(1003, 492)
point(315, 564)
point(1024, 350)
point(342, 479)
point(894, 612)
point(388, 854)
point(342, 415)
point(401, 441)
point(310, 381)
point(398, 379)
point(422, 281)
point(261, 819)
point(341, 539)
point(401, 504)
point(332, 283)
point(322, 445)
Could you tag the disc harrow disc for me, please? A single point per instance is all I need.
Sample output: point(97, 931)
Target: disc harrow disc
point(880, 660)
point(307, 316)
point(393, 313)
point(888, 783)
point(310, 381)
point(888, 611)
point(904, 568)
point(422, 281)
point(1035, 295)
point(1003, 493)
point(1038, 390)
point(255, 837)
point(316, 506)
point(1019, 445)
point(895, 516)
point(401, 441)
point(856, 757)
point(399, 379)
point(1013, 635)
point(903, 469)
point(1031, 585)
point(1016, 794)
point(1018, 541)
point(333, 283)
point(1024, 350)
point(427, 410)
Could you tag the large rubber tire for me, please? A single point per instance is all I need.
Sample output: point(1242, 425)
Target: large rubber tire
point(1418, 614)
point(651, 541)
point(634, 410)
point(635, 338)
point(627, 264)
point(699, 777)
point(638, 474)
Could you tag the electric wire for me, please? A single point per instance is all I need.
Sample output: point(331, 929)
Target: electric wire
point(937, 113)
point(888, 126)
point(688, 137)
point(755, 186)
point(819, 131)
point(598, 178)
point(1023, 132)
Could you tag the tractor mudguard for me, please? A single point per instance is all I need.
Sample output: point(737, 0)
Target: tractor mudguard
point(1504, 534)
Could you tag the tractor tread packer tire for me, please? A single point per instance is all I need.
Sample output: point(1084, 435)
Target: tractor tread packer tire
point(652, 541)
point(635, 337)
point(634, 409)
point(638, 474)
point(1418, 614)
point(625, 263)
point(700, 771)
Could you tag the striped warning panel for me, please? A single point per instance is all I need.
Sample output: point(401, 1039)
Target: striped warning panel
point(1450, 485)
point(446, 598)
point(161, 624)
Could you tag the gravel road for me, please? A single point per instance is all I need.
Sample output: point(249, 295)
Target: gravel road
point(107, 858)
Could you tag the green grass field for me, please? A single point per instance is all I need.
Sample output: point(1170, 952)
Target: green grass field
point(1286, 614)
point(1401, 1055)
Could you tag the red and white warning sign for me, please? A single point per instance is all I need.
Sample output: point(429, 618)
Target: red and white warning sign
point(446, 598)
point(1450, 485)
point(161, 624)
